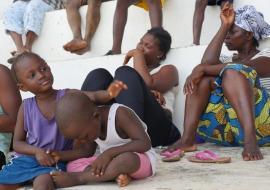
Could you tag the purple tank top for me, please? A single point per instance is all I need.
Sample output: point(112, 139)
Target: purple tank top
point(41, 132)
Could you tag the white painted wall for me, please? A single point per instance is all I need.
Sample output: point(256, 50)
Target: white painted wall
point(3, 6)
point(178, 16)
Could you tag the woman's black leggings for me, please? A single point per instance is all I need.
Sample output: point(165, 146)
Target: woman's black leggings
point(139, 98)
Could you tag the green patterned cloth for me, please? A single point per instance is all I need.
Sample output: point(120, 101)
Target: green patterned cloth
point(5, 138)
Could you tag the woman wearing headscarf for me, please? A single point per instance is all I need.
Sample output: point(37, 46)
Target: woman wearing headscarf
point(228, 104)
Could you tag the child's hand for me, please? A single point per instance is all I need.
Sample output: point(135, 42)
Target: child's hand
point(44, 159)
point(115, 88)
point(54, 155)
point(159, 97)
point(99, 166)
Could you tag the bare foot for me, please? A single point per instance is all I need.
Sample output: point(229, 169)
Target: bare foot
point(251, 152)
point(123, 180)
point(186, 147)
point(82, 51)
point(19, 51)
point(75, 45)
point(65, 179)
point(16, 54)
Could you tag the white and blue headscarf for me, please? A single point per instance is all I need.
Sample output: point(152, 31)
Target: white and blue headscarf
point(249, 19)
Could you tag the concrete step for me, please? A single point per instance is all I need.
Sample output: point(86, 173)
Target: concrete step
point(177, 20)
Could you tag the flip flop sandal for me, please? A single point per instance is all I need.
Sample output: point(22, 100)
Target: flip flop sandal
point(208, 156)
point(109, 53)
point(172, 156)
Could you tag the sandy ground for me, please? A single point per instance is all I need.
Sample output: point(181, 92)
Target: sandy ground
point(185, 175)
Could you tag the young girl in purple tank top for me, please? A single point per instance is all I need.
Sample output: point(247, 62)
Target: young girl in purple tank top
point(40, 147)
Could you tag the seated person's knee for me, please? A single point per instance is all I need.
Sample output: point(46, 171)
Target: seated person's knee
point(229, 73)
point(125, 70)
point(72, 4)
point(123, 4)
point(153, 3)
point(127, 157)
point(200, 4)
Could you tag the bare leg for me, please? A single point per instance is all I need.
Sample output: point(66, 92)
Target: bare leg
point(92, 21)
point(122, 180)
point(30, 38)
point(198, 19)
point(126, 163)
point(239, 93)
point(17, 39)
point(195, 105)
point(119, 23)
point(20, 48)
point(155, 13)
point(9, 187)
point(74, 20)
point(43, 182)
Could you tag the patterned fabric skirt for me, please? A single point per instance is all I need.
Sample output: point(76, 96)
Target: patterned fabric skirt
point(143, 4)
point(219, 124)
point(22, 16)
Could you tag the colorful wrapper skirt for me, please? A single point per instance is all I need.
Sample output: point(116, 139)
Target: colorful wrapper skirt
point(219, 123)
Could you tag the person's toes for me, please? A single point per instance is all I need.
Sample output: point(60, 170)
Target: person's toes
point(123, 180)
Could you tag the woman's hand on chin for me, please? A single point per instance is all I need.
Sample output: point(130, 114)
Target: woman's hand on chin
point(130, 54)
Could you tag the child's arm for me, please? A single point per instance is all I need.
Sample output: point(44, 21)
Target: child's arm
point(20, 146)
point(10, 99)
point(128, 126)
point(104, 96)
point(81, 150)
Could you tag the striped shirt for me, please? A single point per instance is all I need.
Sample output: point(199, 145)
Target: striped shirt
point(56, 4)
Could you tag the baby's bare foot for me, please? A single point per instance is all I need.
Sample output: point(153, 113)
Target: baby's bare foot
point(123, 180)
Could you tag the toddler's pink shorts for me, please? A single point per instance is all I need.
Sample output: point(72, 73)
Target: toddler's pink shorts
point(145, 169)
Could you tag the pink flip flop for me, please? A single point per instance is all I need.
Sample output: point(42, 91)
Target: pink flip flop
point(208, 156)
point(172, 156)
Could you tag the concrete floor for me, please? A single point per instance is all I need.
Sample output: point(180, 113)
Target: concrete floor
point(185, 175)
